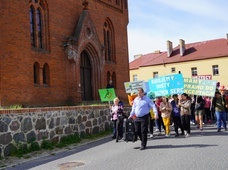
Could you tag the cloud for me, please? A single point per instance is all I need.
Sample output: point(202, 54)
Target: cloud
point(153, 22)
point(208, 8)
point(141, 42)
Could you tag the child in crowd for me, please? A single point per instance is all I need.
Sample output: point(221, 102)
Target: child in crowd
point(207, 107)
point(151, 123)
point(159, 121)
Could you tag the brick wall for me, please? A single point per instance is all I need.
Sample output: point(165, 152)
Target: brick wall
point(17, 57)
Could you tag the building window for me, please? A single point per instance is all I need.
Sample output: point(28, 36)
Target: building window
point(114, 79)
point(109, 44)
point(39, 28)
point(215, 70)
point(38, 24)
point(36, 73)
point(117, 2)
point(32, 26)
point(108, 77)
point(194, 71)
point(46, 74)
point(135, 77)
point(155, 74)
point(125, 4)
point(173, 70)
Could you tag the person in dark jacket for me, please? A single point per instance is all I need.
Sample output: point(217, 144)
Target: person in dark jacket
point(110, 84)
point(219, 105)
point(176, 115)
point(199, 111)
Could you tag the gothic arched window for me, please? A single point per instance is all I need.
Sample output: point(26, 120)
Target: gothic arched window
point(39, 28)
point(109, 42)
point(38, 24)
point(36, 73)
point(46, 74)
point(32, 26)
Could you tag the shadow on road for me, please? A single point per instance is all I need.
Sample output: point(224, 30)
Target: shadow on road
point(45, 159)
point(179, 146)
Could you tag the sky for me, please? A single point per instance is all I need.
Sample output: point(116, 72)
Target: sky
point(153, 22)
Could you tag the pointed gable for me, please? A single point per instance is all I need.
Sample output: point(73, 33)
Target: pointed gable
point(84, 34)
point(85, 30)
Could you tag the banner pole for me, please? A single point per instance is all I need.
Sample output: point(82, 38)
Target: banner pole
point(110, 109)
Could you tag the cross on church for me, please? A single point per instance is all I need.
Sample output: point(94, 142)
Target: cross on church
point(85, 4)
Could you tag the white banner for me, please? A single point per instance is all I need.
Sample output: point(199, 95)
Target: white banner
point(132, 87)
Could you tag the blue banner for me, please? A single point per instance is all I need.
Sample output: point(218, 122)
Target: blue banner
point(167, 85)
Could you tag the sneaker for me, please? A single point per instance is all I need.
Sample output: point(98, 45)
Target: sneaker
point(187, 135)
point(177, 134)
point(192, 123)
point(159, 133)
point(219, 130)
point(156, 130)
point(185, 132)
point(201, 129)
point(151, 136)
point(168, 135)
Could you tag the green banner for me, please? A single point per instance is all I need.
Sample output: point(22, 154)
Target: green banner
point(107, 94)
point(199, 87)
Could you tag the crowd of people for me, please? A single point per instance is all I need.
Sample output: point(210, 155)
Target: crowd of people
point(179, 111)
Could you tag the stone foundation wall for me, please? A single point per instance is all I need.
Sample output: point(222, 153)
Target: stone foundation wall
point(24, 125)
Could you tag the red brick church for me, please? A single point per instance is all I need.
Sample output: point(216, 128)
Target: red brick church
point(61, 52)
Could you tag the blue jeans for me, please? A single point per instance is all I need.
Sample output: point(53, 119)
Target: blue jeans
point(220, 116)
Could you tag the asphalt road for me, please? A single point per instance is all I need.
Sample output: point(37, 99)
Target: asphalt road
point(203, 150)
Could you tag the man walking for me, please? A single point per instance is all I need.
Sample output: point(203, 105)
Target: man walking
point(141, 109)
point(219, 105)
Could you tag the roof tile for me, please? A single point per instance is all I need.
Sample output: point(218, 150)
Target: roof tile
point(193, 51)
